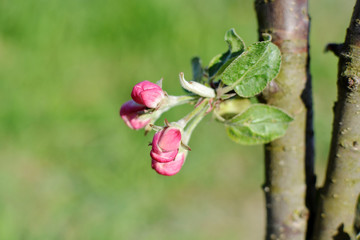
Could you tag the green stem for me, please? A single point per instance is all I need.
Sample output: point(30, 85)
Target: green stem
point(179, 100)
point(221, 91)
point(191, 120)
point(183, 122)
point(197, 119)
point(172, 101)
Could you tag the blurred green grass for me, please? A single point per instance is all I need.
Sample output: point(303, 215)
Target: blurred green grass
point(71, 169)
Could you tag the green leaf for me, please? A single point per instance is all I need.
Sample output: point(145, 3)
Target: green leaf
point(258, 124)
point(218, 63)
point(197, 69)
point(244, 136)
point(236, 44)
point(249, 74)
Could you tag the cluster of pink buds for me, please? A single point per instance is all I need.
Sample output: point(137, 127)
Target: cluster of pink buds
point(228, 87)
point(169, 145)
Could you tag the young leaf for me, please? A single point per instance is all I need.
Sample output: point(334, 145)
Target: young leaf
point(221, 61)
point(216, 63)
point(197, 88)
point(236, 44)
point(258, 124)
point(197, 69)
point(249, 74)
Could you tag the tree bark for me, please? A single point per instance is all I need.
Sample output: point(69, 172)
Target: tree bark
point(337, 202)
point(285, 189)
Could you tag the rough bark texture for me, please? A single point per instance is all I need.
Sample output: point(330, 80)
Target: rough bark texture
point(342, 183)
point(288, 23)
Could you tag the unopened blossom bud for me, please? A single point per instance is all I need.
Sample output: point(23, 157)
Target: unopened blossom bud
point(169, 168)
point(130, 112)
point(148, 94)
point(165, 144)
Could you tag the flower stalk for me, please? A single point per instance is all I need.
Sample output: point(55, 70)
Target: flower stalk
point(197, 117)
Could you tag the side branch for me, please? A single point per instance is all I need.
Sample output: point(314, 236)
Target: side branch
point(285, 189)
point(342, 183)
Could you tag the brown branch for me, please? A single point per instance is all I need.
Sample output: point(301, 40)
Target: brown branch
point(288, 23)
point(342, 183)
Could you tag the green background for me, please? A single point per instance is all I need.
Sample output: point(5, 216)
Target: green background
point(71, 169)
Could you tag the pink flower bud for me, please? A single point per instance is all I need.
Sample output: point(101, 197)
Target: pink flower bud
point(129, 112)
point(165, 144)
point(169, 168)
point(148, 94)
